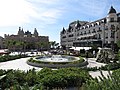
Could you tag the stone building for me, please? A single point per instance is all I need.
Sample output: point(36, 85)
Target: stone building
point(102, 32)
point(26, 40)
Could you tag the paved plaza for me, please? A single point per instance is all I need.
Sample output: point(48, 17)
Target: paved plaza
point(20, 64)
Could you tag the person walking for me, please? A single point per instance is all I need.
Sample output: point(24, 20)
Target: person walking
point(86, 55)
point(94, 54)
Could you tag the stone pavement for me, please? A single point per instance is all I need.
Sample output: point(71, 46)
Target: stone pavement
point(19, 64)
point(92, 63)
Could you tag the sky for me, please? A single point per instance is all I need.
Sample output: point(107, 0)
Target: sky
point(50, 16)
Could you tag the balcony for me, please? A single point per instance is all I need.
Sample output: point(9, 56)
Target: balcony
point(99, 31)
point(106, 28)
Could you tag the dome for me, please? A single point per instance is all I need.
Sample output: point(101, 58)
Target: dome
point(112, 10)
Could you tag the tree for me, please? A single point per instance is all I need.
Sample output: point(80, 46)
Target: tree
point(42, 45)
point(53, 44)
point(57, 45)
point(118, 43)
point(10, 44)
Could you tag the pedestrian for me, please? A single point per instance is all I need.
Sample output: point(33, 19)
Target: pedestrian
point(87, 55)
point(94, 53)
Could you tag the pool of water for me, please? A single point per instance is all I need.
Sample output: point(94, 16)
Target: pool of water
point(57, 58)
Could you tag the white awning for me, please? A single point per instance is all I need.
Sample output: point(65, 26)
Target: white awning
point(78, 48)
point(89, 35)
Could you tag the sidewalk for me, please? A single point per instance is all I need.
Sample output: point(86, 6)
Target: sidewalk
point(92, 63)
point(18, 64)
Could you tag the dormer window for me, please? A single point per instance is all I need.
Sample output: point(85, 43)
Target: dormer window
point(112, 10)
point(111, 19)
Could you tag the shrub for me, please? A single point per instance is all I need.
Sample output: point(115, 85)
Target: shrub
point(10, 57)
point(110, 66)
point(45, 78)
point(111, 82)
point(64, 77)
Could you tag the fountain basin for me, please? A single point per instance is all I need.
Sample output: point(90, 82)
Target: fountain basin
point(57, 61)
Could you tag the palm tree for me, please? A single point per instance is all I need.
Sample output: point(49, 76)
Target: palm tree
point(56, 45)
point(52, 44)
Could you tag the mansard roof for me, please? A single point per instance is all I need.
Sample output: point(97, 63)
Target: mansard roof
point(26, 33)
point(63, 31)
point(78, 22)
point(112, 10)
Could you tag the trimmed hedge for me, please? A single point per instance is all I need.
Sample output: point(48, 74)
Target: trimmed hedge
point(10, 57)
point(45, 79)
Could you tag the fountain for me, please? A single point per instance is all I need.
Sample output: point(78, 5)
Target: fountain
point(57, 58)
point(57, 61)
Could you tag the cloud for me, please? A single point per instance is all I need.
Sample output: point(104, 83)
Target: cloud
point(19, 12)
point(46, 2)
point(15, 12)
point(50, 16)
point(48, 12)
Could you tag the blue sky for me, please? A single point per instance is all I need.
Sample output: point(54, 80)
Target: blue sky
point(50, 16)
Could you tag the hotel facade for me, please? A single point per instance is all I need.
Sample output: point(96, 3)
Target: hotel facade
point(102, 32)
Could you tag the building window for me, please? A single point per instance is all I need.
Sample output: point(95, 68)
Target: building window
point(111, 19)
point(106, 35)
point(106, 27)
point(81, 33)
point(112, 27)
point(112, 34)
point(99, 28)
point(94, 31)
point(99, 23)
point(99, 36)
point(89, 32)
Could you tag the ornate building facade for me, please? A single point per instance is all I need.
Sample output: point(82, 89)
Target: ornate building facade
point(102, 32)
point(26, 40)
